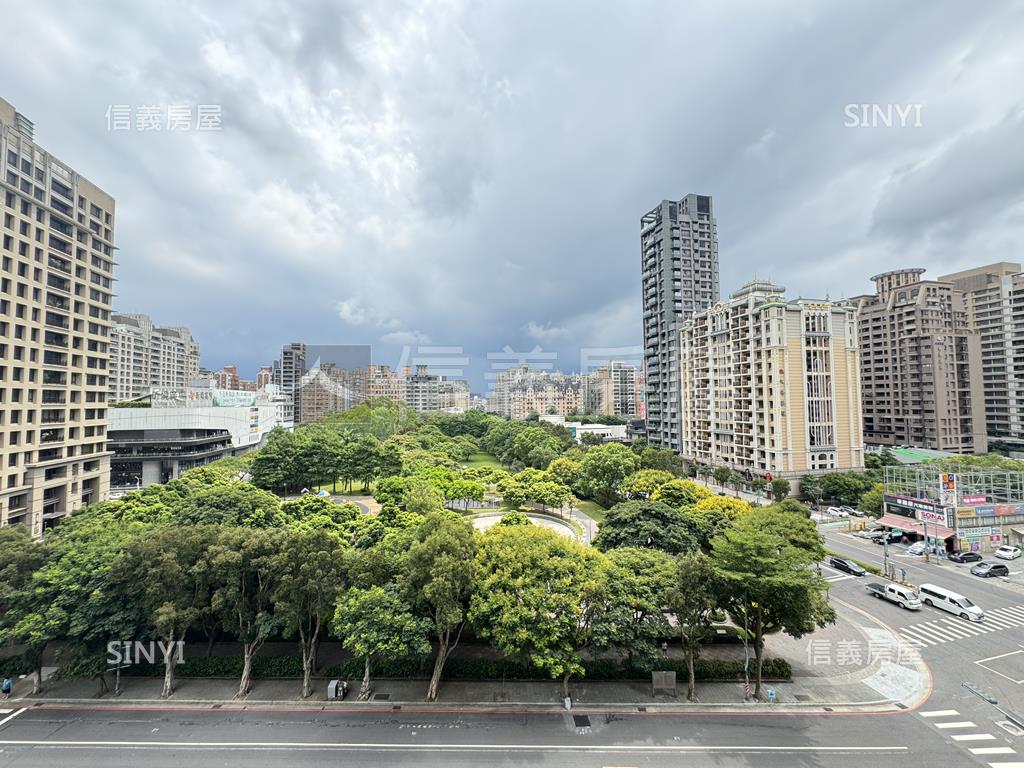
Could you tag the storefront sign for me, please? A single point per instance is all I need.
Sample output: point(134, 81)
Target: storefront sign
point(933, 516)
point(1008, 509)
point(965, 512)
point(908, 503)
point(987, 510)
point(976, 532)
point(974, 500)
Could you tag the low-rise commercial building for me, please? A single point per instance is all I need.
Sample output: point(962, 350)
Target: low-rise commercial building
point(186, 428)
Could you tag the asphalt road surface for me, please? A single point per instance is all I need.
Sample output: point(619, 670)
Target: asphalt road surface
point(95, 738)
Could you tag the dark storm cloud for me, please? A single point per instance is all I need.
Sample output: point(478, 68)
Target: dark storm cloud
point(473, 174)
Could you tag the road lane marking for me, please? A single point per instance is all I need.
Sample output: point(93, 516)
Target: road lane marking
point(11, 717)
point(973, 737)
point(1017, 764)
point(959, 724)
point(939, 713)
point(392, 747)
point(992, 751)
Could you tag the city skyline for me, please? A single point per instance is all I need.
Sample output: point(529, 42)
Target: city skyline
point(347, 185)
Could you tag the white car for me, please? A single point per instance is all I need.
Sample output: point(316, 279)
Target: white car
point(837, 512)
point(1006, 552)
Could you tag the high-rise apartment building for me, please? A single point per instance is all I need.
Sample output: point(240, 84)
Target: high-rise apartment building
point(994, 297)
point(679, 269)
point(381, 381)
point(920, 365)
point(521, 391)
point(771, 386)
point(144, 357)
point(56, 277)
point(615, 390)
point(328, 389)
point(289, 370)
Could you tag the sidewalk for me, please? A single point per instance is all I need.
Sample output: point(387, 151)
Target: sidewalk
point(801, 694)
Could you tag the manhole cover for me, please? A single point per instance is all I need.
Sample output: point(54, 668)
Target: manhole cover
point(381, 696)
point(801, 697)
point(581, 721)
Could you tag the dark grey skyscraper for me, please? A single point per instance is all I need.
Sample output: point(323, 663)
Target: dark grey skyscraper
point(679, 268)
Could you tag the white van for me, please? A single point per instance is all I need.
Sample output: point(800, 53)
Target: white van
point(948, 600)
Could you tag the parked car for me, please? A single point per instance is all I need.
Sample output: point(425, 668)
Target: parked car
point(867, 534)
point(1007, 552)
point(837, 512)
point(920, 548)
point(964, 557)
point(851, 511)
point(847, 566)
point(987, 570)
point(891, 536)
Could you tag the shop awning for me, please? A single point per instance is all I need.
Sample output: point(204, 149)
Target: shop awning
point(935, 531)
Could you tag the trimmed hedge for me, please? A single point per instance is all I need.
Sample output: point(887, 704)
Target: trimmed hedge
point(456, 669)
point(866, 566)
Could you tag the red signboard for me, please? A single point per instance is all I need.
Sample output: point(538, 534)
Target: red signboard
point(972, 500)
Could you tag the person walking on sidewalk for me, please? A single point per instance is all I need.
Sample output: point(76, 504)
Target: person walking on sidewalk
point(6, 687)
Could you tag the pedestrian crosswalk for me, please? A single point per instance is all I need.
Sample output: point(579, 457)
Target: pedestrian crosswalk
point(982, 745)
point(944, 629)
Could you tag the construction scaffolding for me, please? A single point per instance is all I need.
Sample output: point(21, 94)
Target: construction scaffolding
point(995, 486)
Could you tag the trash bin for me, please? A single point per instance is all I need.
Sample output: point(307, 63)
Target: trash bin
point(334, 689)
point(771, 695)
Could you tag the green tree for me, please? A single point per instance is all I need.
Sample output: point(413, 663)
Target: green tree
point(543, 597)
point(643, 579)
point(565, 470)
point(513, 492)
point(514, 517)
point(603, 468)
point(780, 489)
point(693, 600)
point(378, 621)
point(422, 497)
point(310, 576)
point(643, 483)
point(845, 487)
point(20, 624)
point(466, 491)
point(721, 475)
point(765, 563)
point(238, 504)
point(441, 572)
point(811, 489)
point(167, 575)
point(648, 524)
point(242, 564)
point(535, 447)
point(681, 492)
point(871, 501)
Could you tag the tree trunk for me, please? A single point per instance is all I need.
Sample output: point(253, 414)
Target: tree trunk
point(170, 651)
point(439, 662)
point(37, 680)
point(565, 685)
point(245, 684)
point(308, 652)
point(758, 649)
point(691, 684)
point(364, 689)
point(103, 684)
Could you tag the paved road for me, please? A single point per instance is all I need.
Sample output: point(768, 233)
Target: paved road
point(157, 739)
point(989, 655)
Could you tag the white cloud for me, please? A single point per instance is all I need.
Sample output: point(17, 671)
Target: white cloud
point(543, 331)
point(411, 338)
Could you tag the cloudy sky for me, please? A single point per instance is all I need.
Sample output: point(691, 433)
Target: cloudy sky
point(471, 174)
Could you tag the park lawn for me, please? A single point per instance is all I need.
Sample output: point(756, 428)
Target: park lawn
point(592, 509)
point(482, 460)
